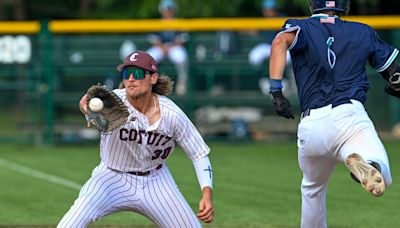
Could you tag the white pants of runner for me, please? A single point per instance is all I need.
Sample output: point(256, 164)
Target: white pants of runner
point(155, 196)
point(325, 138)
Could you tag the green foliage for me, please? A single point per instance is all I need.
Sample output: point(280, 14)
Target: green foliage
point(139, 9)
point(136, 9)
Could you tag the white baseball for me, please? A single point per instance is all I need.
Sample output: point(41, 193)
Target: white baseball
point(96, 104)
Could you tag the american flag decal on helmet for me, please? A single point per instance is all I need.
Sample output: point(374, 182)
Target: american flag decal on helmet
point(330, 4)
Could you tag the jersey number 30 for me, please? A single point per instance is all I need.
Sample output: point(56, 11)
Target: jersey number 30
point(161, 153)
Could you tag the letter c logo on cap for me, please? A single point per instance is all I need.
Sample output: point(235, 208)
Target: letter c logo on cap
point(133, 57)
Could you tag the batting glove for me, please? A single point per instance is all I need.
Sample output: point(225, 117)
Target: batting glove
point(282, 106)
point(391, 91)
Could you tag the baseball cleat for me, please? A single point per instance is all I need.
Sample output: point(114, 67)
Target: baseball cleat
point(367, 174)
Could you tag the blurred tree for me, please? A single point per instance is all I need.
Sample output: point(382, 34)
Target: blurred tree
point(12, 9)
point(122, 9)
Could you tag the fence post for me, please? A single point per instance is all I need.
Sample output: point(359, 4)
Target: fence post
point(48, 83)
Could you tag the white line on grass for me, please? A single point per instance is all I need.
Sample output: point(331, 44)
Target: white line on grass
point(38, 174)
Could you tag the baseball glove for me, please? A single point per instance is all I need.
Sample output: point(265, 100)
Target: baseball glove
point(114, 112)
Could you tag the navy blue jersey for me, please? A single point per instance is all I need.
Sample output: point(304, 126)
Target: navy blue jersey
point(329, 57)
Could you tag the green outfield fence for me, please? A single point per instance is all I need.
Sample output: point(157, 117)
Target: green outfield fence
point(45, 67)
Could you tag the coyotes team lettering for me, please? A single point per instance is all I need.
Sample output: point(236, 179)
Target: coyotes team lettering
point(143, 137)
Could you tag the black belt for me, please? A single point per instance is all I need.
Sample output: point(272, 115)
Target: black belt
point(307, 111)
point(138, 173)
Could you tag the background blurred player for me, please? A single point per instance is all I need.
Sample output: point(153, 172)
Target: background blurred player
point(259, 54)
point(170, 43)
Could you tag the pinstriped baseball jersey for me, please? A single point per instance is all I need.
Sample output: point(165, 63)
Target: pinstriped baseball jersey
point(136, 146)
point(132, 174)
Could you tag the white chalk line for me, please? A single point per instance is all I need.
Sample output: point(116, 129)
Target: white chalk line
point(38, 174)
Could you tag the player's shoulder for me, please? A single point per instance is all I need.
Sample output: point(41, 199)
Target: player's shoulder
point(170, 107)
point(357, 25)
point(294, 21)
point(120, 92)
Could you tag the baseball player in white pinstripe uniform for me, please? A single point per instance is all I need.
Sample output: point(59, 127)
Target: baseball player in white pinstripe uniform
point(132, 174)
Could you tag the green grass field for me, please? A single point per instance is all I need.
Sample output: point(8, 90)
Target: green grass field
point(255, 185)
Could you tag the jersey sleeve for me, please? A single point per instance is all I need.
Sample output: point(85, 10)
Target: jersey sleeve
point(119, 92)
point(382, 54)
point(299, 41)
point(189, 138)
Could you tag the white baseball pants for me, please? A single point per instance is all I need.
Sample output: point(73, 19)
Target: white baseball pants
point(325, 138)
point(155, 196)
point(177, 54)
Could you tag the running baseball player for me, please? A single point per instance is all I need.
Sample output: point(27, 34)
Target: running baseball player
point(132, 174)
point(329, 57)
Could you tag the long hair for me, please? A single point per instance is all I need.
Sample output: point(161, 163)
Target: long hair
point(164, 85)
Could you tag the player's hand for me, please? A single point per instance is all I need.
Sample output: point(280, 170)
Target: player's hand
point(391, 91)
point(83, 104)
point(206, 210)
point(282, 106)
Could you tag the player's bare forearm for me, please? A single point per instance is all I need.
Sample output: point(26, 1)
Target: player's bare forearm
point(278, 54)
point(206, 210)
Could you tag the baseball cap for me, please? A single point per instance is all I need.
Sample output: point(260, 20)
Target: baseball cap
point(269, 4)
point(139, 59)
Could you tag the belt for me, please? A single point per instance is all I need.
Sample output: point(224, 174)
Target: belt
point(138, 173)
point(305, 113)
point(308, 111)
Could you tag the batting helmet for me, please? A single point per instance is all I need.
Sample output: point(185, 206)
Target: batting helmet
point(341, 6)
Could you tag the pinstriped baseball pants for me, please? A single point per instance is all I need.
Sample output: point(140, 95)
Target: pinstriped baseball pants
point(155, 196)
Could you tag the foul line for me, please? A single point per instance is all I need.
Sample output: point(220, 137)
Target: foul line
point(38, 174)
